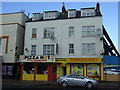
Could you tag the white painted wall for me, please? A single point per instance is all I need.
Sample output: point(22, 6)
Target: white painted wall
point(14, 18)
point(12, 27)
point(9, 30)
point(62, 37)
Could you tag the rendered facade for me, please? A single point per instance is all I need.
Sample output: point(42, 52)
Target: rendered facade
point(60, 43)
point(11, 41)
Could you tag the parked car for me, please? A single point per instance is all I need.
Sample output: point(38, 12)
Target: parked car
point(76, 80)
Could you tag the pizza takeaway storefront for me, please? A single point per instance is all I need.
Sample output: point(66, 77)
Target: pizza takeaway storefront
point(47, 68)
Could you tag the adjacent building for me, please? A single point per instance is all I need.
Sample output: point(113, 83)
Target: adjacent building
point(11, 42)
point(59, 43)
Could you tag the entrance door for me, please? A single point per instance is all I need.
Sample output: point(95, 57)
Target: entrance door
point(63, 71)
point(54, 74)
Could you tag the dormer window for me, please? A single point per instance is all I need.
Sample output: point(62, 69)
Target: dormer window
point(72, 13)
point(37, 16)
point(51, 14)
point(87, 12)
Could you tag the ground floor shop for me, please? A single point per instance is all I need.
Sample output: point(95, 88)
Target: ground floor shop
point(10, 70)
point(47, 71)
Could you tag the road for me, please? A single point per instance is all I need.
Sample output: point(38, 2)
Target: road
point(37, 85)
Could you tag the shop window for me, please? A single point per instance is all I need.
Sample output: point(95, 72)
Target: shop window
point(42, 69)
point(7, 70)
point(28, 68)
point(77, 69)
point(4, 70)
point(93, 70)
point(10, 70)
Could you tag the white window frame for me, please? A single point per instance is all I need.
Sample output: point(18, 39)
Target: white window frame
point(34, 32)
point(49, 33)
point(88, 31)
point(33, 49)
point(71, 31)
point(0, 45)
point(71, 48)
point(88, 48)
point(49, 49)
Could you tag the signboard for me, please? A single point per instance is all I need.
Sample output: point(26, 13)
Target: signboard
point(41, 58)
point(84, 60)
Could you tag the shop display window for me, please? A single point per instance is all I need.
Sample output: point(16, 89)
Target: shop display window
point(77, 69)
point(42, 69)
point(4, 70)
point(93, 70)
point(7, 70)
point(10, 69)
point(28, 68)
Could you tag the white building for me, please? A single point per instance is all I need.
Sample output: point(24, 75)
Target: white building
point(73, 37)
point(11, 41)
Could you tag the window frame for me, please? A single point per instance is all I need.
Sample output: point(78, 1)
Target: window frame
point(71, 31)
point(49, 32)
point(88, 49)
point(48, 49)
point(71, 48)
point(88, 31)
point(33, 50)
point(34, 33)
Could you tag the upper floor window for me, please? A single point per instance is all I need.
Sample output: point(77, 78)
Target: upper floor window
point(34, 32)
point(88, 12)
point(88, 31)
point(48, 49)
point(51, 14)
point(33, 50)
point(72, 13)
point(0, 45)
point(88, 48)
point(71, 48)
point(71, 31)
point(49, 33)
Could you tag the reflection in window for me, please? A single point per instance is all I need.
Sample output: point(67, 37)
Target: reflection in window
point(28, 68)
point(42, 69)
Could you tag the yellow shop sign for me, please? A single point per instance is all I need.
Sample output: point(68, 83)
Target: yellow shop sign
point(84, 60)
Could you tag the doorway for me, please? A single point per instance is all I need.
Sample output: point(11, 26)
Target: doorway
point(54, 73)
point(63, 71)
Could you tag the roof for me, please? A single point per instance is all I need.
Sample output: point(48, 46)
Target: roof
point(50, 11)
point(15, 13)
point(64, 14)
point(88, 8)
point(71, 9)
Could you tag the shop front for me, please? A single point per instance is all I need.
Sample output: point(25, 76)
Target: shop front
point(91, 67)
point(38, 68)
point(50, 68)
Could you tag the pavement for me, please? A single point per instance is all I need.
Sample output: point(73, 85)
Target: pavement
point(10, 83)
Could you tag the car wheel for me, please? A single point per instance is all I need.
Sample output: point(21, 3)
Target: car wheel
point(64, 84)
point(89, 85)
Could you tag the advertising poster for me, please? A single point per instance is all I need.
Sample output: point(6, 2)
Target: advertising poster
point(77, 69)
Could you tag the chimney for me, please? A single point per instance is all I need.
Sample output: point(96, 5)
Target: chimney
point(63, 9)
point(98, 6)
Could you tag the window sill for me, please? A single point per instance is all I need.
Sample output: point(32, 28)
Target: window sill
point(72, 54)
point(33, 38)
point(89, 36)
